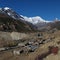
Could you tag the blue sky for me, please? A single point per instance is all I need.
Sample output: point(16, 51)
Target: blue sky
point(47, 9)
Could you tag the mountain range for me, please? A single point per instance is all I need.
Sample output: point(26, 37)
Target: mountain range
point(12, 21)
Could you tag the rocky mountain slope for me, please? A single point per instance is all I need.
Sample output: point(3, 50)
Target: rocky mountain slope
point(54, 24)
point(11, 21)
point(48, 26)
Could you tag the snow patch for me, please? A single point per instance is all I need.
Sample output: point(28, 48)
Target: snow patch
point(6, 8)
point(35, 20)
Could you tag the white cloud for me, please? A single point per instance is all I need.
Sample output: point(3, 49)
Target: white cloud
point(34, 20)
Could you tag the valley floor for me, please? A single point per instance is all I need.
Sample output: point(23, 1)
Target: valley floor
point(37, 46)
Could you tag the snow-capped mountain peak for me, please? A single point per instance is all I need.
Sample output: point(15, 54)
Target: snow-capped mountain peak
point(10, 12)
point(6, 8)
point(35, 20)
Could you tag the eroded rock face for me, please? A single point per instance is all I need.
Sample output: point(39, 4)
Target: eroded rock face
point(5, 36)
point(12, 36)
point(17, 36)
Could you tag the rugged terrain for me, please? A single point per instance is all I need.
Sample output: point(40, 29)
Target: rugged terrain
point(21, 49)
point(11, 21)
point(21, 40)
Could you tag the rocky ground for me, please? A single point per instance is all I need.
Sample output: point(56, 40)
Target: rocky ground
point(32, 46)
